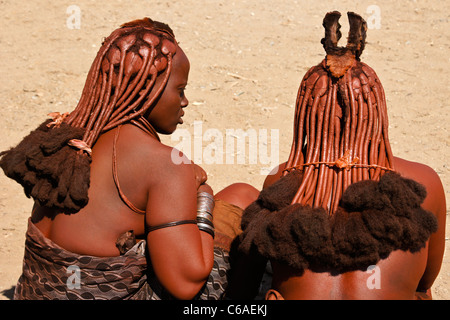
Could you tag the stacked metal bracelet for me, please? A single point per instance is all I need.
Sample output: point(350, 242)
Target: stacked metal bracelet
point(205, 206)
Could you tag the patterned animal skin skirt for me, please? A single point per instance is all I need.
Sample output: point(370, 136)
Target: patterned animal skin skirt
point(51, 272)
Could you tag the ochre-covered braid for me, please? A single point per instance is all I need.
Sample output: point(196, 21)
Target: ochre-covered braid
point(120, 86)
point(127, 76)
point(341, 124)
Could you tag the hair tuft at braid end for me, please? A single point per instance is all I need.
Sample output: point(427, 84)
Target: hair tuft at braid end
point(332, 31)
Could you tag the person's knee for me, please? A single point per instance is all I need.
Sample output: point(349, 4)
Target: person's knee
point(239, 194)
point(244, 189)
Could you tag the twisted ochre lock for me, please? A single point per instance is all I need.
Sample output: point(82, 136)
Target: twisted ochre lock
point(120, 88)
point(120, 84)
point(341, 124)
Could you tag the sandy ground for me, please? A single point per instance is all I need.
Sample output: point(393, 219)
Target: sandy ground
point(247, 60)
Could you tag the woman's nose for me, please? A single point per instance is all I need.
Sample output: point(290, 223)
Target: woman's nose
point(184, 102)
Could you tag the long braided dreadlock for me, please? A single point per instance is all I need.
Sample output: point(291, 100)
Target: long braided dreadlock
point(52, 163)
point(336, 208)
point(340, 126)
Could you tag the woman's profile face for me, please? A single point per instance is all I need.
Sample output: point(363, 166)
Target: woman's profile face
point(168, 110)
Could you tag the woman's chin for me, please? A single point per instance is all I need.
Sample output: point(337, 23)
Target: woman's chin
point(167, 131)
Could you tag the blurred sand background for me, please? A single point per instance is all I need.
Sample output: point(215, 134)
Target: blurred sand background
point(247, 60)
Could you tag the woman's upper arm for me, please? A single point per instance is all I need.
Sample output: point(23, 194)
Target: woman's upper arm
point(178, 255)
point(435, 203)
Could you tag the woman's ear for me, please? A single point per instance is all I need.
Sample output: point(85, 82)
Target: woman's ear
point(273, 295)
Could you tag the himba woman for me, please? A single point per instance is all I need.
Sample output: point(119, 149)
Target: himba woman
point(114, 216)
point(343, 218)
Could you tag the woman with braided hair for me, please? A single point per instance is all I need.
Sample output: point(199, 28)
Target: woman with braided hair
point(114, 216)
point(343, 207)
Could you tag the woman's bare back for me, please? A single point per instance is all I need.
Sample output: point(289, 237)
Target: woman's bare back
point(397, 277)
point(95, 228)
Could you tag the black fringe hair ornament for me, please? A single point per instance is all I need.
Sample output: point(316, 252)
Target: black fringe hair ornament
point(52, 172)
point(373, 219)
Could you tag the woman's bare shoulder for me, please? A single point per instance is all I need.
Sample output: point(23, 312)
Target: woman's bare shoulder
point(428, 177)
point(274, 175)
point(151, 158)
point(419, 172)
